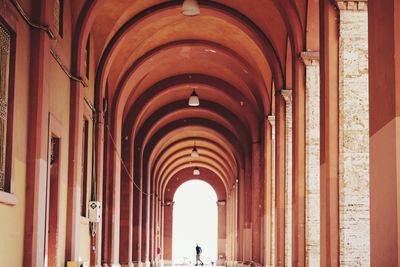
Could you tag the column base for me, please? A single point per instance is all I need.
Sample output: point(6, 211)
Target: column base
point(168, 263)
point(230, 263)
point(157, 263)
point(222, 263)
point(127, 265)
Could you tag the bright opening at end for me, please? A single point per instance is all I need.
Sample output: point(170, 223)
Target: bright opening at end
point(195, 220)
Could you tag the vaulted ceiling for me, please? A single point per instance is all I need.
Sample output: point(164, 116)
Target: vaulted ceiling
point(150, 57)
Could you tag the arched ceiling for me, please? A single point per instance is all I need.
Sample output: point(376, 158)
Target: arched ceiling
point(150, 57)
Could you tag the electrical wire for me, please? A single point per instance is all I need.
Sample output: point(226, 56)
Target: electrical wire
point(119, 154)
point(124, 165)
point(78, 79)
point(45, 28)
point(65, 69)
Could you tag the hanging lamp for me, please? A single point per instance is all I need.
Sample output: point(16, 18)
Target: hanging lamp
point(196, 171)
point(190, 8)
point(194, 100)
point(195, 153)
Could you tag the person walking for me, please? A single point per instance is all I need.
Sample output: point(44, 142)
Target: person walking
point(198, 254)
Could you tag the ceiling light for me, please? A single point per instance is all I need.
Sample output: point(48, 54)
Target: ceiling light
point(190, 8)
point(194, 99)
point(195, 153)
point(196, 171)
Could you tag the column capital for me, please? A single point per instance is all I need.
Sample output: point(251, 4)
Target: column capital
point(310, 58)
point(360, 5)
point(221, 202)
point(271, 120)
point(168, 203)
point(287, 95)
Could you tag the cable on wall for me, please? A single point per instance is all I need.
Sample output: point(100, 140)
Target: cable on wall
point(65, 69)
point(124, 165)
point(47, 29)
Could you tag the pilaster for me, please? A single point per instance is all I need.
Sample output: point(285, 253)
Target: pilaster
point(313, 221)
point(353, 134)
point(270, 191)
point(287, 96)
point(359, 5)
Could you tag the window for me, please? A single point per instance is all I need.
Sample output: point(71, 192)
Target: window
point(84, 181)
point(59, 17)
point(5, 97)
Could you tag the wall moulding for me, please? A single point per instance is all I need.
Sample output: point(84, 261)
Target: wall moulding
point(287, 95)
point(360, 5)
point(310, 58)
point(271, 120)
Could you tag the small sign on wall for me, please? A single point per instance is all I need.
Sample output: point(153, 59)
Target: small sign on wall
point(94, 211)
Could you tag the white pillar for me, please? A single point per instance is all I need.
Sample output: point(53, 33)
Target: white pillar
point(271, 198)
point(312, 160)
point(287, 96)
point(353, 134)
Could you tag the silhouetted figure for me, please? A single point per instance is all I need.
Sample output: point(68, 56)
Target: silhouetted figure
point(198, 254)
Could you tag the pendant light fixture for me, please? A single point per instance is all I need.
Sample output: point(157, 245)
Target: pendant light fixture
point(190, 8)
point(196, 171)
point(195, 153)
point(194, 99)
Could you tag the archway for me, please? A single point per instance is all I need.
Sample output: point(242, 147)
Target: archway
point(195, 220)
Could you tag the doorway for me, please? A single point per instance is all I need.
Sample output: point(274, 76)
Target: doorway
point(195, 221)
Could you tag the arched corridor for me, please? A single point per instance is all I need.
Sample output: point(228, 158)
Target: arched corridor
point(288, 109)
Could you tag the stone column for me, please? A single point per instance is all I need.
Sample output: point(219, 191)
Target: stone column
point(353, 134)
point(269, 234)
point(313, 220)
point(287, 96)
point(221, 232)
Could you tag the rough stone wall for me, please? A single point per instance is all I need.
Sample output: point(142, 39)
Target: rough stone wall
point(287, 95)
point(312, 163)
point(353, 135)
